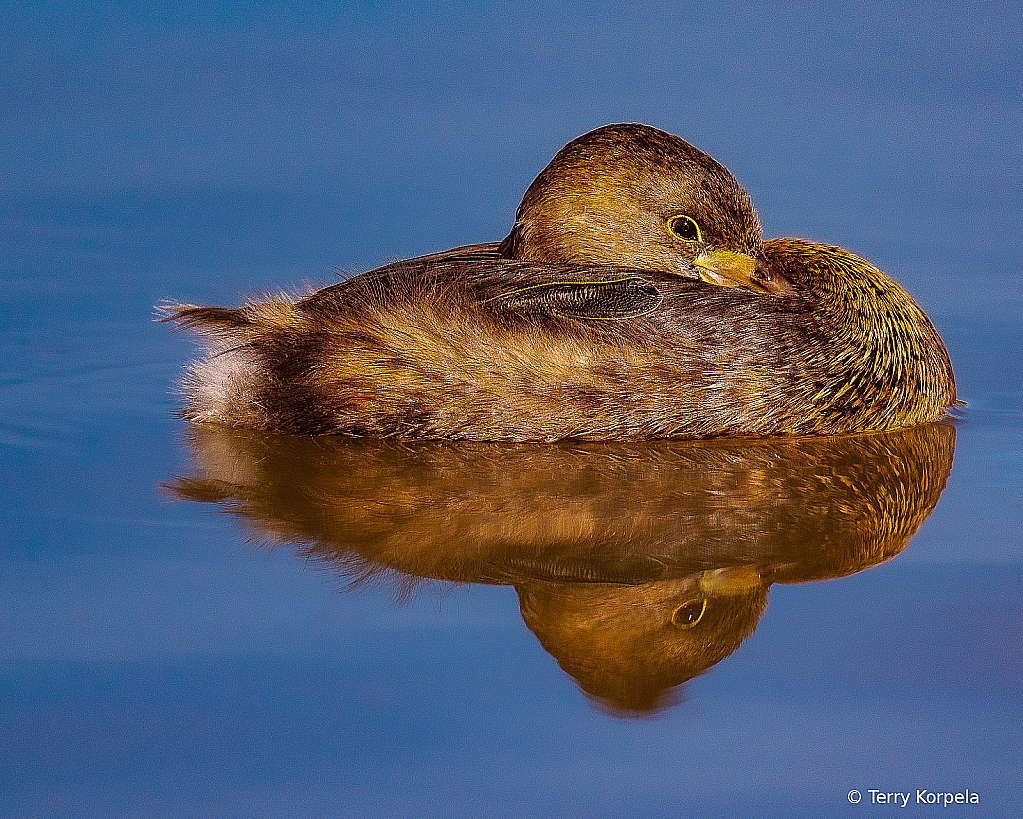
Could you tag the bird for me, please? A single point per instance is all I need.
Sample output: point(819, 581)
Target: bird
point(634, 298)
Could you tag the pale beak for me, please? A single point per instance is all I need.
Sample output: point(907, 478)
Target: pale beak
point(727, 268)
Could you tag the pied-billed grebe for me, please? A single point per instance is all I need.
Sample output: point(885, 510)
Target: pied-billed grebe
point(602, 316)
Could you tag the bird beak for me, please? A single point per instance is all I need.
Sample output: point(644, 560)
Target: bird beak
point(727, 268)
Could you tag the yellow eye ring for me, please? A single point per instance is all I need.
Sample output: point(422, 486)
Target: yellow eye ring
point(689, 613)
point(685, 228)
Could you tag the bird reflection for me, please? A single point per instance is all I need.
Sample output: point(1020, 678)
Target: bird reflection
point(637, 565)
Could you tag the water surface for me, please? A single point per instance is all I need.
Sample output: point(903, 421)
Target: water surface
point(182, 634)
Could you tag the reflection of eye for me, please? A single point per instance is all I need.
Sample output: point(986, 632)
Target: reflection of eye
point(689, 613)
point(685, 228)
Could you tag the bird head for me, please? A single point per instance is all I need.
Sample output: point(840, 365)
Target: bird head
point(634, 196)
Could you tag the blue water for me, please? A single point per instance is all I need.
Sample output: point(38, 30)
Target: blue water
point(159, 659)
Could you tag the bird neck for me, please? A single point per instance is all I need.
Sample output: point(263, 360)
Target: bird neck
point(846, 287)
point(879, 331)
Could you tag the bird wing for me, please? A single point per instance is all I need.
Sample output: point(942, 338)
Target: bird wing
point(484, 251)
point(622, 297)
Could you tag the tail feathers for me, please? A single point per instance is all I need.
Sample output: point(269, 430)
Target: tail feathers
point(204, 320)
point(227, 384)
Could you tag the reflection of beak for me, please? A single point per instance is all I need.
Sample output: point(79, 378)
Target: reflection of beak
point(727, 268)
point(732, 580)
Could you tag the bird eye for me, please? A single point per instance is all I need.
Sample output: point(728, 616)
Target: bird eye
point(689, 613)
point(685, 228)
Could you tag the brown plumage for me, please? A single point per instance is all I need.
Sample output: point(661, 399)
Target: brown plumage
point(633, 298)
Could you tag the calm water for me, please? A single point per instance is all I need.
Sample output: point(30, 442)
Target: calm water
point(201, 623)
